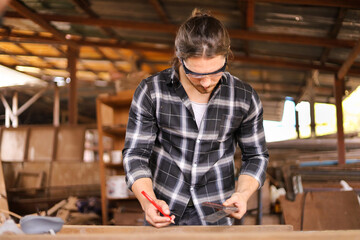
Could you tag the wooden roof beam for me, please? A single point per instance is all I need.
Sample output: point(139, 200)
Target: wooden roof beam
point(327, 3)
point(263, 62)
point(308, 90)
point(30, 14)
point(2, 52)
point(349, 61)
point(247, 20)
point(160, 10)
point(247, 60)
point(333, 33)
point(289, 65)
point(250, 14)
point(171, 28)
point(85, 6)
point(25, 38)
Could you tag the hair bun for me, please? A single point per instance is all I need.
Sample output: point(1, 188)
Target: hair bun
point(200, 13)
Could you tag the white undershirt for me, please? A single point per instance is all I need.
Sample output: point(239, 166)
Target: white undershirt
point(199, 110)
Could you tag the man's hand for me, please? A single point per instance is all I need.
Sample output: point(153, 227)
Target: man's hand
point(152, 214)
point(237, 200)
point(153, 217)
point(246, 186)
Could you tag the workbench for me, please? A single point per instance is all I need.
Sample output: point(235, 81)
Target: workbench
point(263, 232)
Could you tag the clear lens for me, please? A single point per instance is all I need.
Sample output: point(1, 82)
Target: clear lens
point(203, 76)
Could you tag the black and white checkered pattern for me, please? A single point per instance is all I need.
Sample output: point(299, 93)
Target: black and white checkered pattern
point(164, 143)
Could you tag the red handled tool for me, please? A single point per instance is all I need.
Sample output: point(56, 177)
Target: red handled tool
point(155, 205)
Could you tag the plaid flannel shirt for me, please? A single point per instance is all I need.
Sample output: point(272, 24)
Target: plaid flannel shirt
point(164, 143)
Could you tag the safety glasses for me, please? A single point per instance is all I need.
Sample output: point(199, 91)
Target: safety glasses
point(214, 74)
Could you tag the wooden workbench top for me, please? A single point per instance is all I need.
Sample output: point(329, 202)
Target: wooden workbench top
point(86, 229)
point(263, 232)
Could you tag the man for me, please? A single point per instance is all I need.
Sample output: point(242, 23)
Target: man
point(184, 124)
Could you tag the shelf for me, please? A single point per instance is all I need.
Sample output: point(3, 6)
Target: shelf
point(96, 148)
point(115, 130)
point(127, 198)
point(118, 101)
point(112, 117)
point(114, 165)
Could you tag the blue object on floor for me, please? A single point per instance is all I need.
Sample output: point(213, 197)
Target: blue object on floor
point(327, 163)
point(32, 224)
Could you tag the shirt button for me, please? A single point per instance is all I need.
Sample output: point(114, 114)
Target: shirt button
point(198, 140)
point(191, 188)
point(195, 164)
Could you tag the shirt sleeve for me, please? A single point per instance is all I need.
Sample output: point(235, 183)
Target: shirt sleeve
point(251, 139)
point(140, 136)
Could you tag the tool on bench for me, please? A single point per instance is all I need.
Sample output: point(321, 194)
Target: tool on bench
point(221, 212)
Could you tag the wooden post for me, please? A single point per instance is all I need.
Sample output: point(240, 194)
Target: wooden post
point(297, 125)
point(73, 55)
point(15, 121)
point(3, 197)
point(7, 117)
point(311, 86)
point(101, 163)
point(56, 110)
point(8, 112)
point(339, 92)
point(312, 118)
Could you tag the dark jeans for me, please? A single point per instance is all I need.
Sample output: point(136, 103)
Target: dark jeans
point(190, 217)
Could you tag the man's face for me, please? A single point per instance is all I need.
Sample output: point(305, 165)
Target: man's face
point(204, 73)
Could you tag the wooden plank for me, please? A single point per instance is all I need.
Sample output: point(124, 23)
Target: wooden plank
point(10, 170)
point(41, 144)
point(3, 197)
point(323, 211)
point(331, 211)
point(29, 179)
point(71, 174)
point(85, 229)
point(14, 137)
point(176, 235)
point(70, 144)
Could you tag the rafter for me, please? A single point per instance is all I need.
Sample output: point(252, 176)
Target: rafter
point(289, 65)
point(85, 6)
point(324, 3)
point(30, 14)
point(250, 14)
point(112, 62)
point(243, 6)
point(349, 61)
point(160, 10)
point(25, 38)
point(32, 55)
point(273, 62)
point(171, 28)
point(334, 33)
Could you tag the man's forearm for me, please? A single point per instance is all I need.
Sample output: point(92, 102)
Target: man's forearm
point(246, 186)
point(143, 184)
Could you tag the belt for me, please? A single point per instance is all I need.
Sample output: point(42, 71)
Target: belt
point(190, 203)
